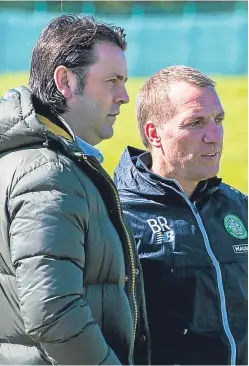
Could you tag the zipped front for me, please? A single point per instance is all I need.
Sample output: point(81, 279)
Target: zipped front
point(195, 275)
point(78, 157)
point(130, 248)
point(132, 264)
point(215, 262)
point(219, 281)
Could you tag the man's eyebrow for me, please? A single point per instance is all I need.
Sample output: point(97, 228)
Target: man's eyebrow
point(221, 114)
point(121, 77)
point(191, 118)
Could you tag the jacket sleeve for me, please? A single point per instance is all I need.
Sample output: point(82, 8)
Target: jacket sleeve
point(49, 215)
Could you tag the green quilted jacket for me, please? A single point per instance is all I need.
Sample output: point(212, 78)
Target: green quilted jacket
point(67, 264)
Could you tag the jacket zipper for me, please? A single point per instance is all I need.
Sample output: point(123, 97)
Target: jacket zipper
point(132, 259)
point(215, 262)
point(219, 282)
point(133, 279)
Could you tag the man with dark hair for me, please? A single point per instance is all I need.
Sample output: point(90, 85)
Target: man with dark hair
point(190, 229)
point(68, 274)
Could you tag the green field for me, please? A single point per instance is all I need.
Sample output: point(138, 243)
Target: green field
point(233, 94)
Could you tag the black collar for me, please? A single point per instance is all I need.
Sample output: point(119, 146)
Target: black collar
point(205, 187)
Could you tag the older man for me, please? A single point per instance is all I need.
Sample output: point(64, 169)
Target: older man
point(190, 229)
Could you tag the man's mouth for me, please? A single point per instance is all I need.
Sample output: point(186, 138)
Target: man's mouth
point(113, 114)
point(212, 154)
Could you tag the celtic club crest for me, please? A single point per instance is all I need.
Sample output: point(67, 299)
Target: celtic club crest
point(235, 227)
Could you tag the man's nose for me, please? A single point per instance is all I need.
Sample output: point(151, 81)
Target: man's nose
point(122, 97)
point(213, 133)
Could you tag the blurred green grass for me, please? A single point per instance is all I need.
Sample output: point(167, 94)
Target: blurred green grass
point(233, 94)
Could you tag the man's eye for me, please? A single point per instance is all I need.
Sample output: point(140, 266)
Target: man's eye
point(195, 123)
point(112, 81)
point(218, 121)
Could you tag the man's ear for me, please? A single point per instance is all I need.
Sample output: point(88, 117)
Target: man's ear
point(151, 132)
point(63, 81)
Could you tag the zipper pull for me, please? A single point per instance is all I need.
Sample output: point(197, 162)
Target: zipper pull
point(80, 156)
point(195, 208)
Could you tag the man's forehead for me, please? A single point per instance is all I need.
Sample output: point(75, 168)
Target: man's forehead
point(110, 55)
point(109, 62)
point(183, 94)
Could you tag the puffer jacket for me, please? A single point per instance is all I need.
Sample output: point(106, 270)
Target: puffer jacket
point(194, 254)
point(67, 266)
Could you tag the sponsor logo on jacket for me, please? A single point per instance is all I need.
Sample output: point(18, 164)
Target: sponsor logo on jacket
point(161, 230)
point(241, 248)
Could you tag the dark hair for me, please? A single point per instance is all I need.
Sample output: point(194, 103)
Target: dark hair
point(152, 99)
point(68, 40)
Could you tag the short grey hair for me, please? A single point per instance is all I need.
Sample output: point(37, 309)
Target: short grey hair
point(153, 99)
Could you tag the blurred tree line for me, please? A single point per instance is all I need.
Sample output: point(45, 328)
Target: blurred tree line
point(126, 7)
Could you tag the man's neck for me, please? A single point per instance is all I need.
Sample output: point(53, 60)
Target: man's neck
point(188, 186)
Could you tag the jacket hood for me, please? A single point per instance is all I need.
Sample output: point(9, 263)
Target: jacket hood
point(133, 175)
point(19, 124)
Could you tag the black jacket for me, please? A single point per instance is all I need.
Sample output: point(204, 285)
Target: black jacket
point(194, 258)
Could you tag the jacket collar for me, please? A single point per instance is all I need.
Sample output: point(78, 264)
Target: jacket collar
point(89, 149)
point(208, 186)
point(58, 126)
point(133, 175)
point(68, 134)
point(55, 129)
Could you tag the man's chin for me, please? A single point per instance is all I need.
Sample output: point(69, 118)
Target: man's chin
point(107, 134)
point(211, 174)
